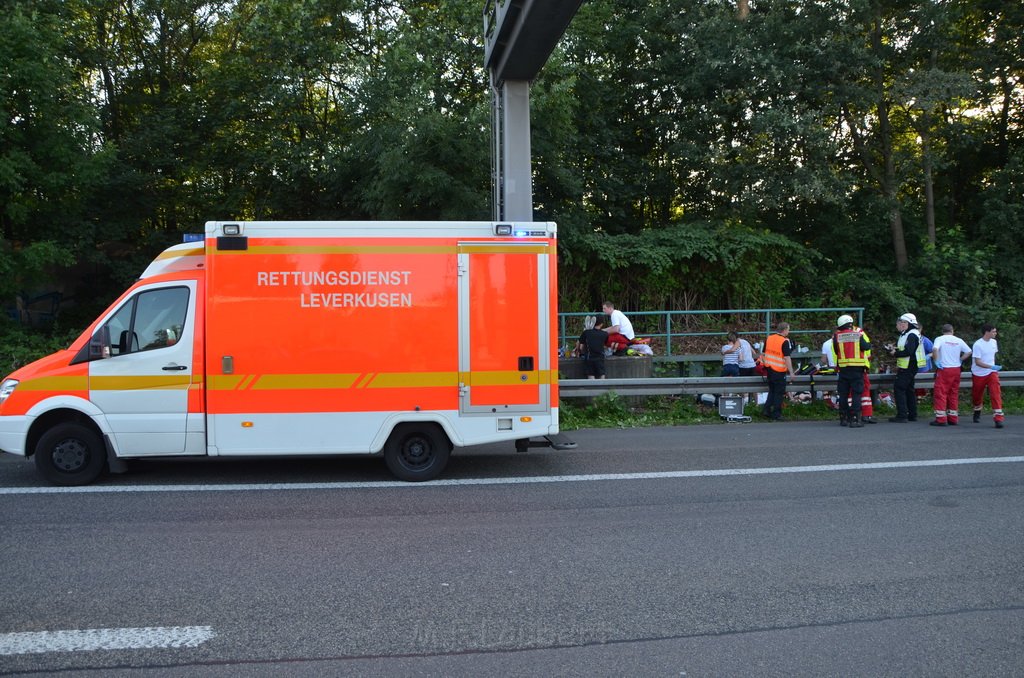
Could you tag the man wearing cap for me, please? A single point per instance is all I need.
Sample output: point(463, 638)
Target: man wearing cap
point(909, 353)
point(851, 347)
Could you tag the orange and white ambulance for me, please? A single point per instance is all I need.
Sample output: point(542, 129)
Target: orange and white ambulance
point(403, 339)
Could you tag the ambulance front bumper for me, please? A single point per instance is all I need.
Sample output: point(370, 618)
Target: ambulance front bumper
point(12, 433)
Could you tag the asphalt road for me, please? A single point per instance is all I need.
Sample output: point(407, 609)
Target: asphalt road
point(721, 550)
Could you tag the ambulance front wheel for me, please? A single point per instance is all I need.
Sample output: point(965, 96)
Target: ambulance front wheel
point(417, 452)
point(70, 454)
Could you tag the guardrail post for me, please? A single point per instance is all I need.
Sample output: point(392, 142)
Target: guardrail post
point(668, 333)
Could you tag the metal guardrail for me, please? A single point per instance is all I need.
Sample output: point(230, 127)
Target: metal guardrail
point(584, 388)
point(663, 321)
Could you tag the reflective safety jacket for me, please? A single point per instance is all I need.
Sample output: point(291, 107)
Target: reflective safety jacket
point(851, 348)
point(903, 362)
point(773, 358)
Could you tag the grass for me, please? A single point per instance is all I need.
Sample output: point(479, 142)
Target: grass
point(614, 411)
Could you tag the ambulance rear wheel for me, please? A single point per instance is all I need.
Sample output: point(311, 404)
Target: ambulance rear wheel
point(70, 454)
point(417, 452)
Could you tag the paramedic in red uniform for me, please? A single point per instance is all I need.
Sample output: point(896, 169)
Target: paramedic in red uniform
point(985, 375)
point(852, 349)
point(948, 354)
point(776, 359)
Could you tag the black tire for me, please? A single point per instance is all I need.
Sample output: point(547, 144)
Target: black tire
point(70, 454)
point(417, 452)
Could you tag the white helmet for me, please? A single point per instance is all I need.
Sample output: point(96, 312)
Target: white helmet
point(844, 319)
point(909, 317)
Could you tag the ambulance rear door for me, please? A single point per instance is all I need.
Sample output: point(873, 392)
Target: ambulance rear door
point(504, 337)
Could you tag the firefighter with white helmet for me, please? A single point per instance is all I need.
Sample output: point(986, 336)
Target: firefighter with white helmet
point(909, 353)
point(867, 407)
point(852, 350)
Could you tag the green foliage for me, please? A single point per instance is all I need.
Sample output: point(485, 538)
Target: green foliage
point(50, 162)
point(691, 159)
point(883, 297)
point(19, 346)
point(612, 411)
point(31, 266)
point(689, 265)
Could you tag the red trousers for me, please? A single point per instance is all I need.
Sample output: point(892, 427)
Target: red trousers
point(995, 394)
point(946, 396)
point(866, 408)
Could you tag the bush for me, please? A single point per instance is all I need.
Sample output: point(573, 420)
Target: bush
point(20, 346)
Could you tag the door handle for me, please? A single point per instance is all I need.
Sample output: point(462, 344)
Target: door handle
point(174, 368)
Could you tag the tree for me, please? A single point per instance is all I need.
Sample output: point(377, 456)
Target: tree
point(50, 158)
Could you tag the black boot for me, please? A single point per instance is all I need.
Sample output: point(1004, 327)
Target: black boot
point(843, 421)
point(855, 421)
point(977, 416)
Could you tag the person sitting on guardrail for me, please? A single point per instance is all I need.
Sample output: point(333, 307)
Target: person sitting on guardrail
point(619, 329)
point(591, 346)
point(748, 357)
point(738, 359)
point(748, 363)
point(731, 356)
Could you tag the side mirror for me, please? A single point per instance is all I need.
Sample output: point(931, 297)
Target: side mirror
point(125, 342)
point(99, 345)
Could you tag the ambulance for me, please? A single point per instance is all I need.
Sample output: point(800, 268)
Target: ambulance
point(398, 339)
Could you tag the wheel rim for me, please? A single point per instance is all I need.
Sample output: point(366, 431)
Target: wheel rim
point(70, 455)
point(417, 453)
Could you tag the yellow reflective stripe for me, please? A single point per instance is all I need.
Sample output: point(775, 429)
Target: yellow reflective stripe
point(135, 383)
point(224, 382)
point(76, 383)
point(175, 254)
point(413, 380)
point(505, 248)
point(290, 382)
point(340, 249)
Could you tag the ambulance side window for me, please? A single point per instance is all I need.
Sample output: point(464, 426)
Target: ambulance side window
point(119, 327)
point(150, 320)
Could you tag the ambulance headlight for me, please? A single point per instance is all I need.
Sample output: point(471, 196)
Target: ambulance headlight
point(7, 388)
point(503, 229)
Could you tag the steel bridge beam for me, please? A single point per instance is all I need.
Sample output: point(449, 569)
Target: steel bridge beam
point(519, 37)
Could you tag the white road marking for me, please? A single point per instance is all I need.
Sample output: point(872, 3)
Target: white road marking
point(36, 642)
point(528, 480)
